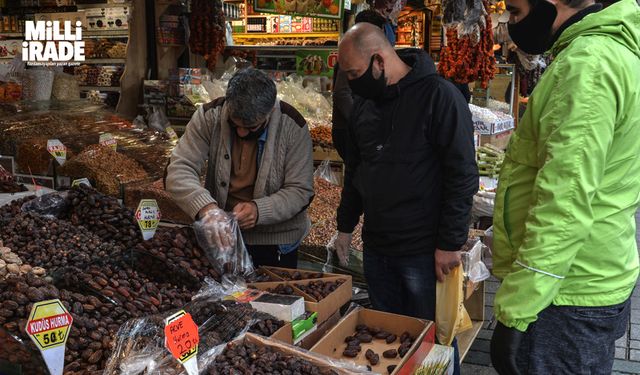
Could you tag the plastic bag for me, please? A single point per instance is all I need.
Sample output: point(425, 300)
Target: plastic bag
point(65, 87)
point(140, 346)
point(324, 172)
point(474, 267)
point(158, 119)
point(53, 205)
point(483, 203)
point(232, 258)
point(451, 316)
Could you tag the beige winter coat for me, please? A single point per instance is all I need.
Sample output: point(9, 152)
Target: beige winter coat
point(284, 185)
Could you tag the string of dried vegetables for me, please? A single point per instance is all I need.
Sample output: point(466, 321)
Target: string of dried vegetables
point(464, 61)
point(207, 26)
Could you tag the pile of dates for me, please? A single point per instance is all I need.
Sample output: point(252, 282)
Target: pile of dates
point(282, 289)
point(320, 289)
point(127, 288)
point(297, 275)
point(103, 215)
point(178, 246)
point(248, 358)
point(365, 335)
point(95, 322)
point(52, 244)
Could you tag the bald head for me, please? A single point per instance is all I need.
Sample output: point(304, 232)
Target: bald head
point(366, 39)
point(366, 44)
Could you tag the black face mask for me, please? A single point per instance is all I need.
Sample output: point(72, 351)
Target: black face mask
point(367, 86)
point(533, 33)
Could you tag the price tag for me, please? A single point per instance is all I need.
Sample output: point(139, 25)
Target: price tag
point(148, 217)
point(172, 133)
point(48, 327)
point(57, 150)
point(81, 181)
point(181, 338)
point(107, 139)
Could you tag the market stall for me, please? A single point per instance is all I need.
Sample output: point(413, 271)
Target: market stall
point(120, 256)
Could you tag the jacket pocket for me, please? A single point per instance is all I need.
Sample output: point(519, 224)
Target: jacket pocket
point(524, 151)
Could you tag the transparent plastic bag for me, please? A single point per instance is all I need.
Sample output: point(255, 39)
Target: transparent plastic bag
point(65, 87)
point(324, 172)
point(53, 205)
point(158, 119)
point(140, 346)
point(474, 268)
point(219, 235)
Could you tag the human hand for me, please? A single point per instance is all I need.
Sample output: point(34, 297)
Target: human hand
point(445, 262)
point(342, 245)
point(214, 229)
point(247, 214)
point(504, 349)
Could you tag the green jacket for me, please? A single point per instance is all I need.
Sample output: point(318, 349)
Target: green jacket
point(570, 184)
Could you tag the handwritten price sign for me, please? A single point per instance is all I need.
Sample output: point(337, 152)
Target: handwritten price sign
point(171, 133)
point(148, 217)
point(181, 338)
point(57, 150)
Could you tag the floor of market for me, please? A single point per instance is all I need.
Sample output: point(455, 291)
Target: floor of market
point(478, 360)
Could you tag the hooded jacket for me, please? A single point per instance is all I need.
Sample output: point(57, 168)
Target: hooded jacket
point(569, 188)
point(410, 165)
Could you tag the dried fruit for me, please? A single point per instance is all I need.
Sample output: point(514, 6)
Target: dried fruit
point(391, 353)
point(391, 338)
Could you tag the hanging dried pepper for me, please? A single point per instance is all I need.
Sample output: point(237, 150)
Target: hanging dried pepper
point(207, 26)
point(462, 61)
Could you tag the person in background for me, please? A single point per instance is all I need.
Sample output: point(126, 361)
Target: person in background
point(410, 168)
point(260, 168)
point(342, 97)
point(564, 228)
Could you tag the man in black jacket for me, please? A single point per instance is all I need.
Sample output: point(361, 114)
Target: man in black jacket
point(342, 98)
point(410, 168)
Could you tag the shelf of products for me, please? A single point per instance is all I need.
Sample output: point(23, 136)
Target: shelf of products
point(100, 88)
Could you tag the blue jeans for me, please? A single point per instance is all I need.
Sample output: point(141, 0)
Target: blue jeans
point(404, 286)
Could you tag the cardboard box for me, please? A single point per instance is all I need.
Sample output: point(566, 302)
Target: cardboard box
point(325, 307)
point(333, 344)
point(283, 334)
point(500, 140)
point(320, 361)
point(283, 307)
point(485, 128)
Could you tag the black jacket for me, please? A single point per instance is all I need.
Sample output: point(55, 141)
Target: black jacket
point(410, 165)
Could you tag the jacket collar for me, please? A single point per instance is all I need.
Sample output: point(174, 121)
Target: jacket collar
point(575, 19)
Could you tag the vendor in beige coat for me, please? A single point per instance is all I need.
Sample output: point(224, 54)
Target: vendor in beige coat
point(260, 169)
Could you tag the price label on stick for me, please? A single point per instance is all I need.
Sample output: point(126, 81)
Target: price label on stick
point(148, 217)
point(81, 181)
point(172, 133)
point(57, 150)
point(107, 139)
point(48, 327)
point(181, 339)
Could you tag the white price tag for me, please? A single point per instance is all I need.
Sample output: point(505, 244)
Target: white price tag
point(48, 327)
point(57, 150)
point(148, 217)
